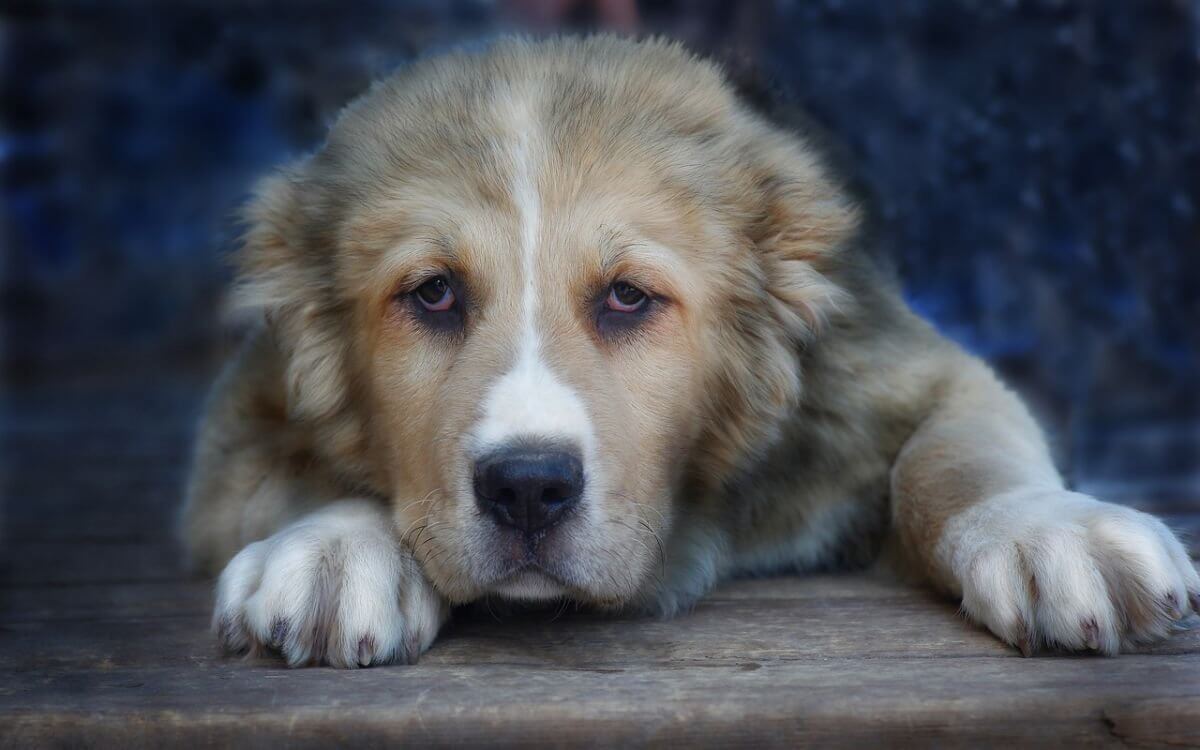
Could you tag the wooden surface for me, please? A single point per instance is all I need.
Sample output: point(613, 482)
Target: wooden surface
point(104, 640)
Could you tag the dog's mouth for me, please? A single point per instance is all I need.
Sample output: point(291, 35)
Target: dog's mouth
point(529, 567)
point(530, 583)
point(553, 569)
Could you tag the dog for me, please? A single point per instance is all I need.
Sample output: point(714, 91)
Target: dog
point(568, 319)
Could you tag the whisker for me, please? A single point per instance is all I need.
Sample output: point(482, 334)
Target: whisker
point(662, 518)
point(429, 498)
point(637, 538)
point(562, 607)
point(487, 602)
point(662, 555)
point(404, 540)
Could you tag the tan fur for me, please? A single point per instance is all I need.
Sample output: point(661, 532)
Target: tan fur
point(784, 410)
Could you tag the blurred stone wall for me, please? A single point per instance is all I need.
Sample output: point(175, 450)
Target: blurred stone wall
point(1034, 167)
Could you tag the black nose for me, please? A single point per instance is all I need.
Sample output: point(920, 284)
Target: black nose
point(528, 488)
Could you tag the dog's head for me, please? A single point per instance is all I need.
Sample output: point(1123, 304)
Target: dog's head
point(544, 296)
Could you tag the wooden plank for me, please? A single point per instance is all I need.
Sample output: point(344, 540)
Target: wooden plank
point(720, 631)
point(86, 601)
point(842, 702)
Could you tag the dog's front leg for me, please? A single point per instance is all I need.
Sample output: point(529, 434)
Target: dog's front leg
point(979, 506)
point(335, 587)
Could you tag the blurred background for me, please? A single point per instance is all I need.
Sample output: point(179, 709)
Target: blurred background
point(1035, 168)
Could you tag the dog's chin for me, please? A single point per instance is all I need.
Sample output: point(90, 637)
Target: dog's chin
point(529, 585)
point(548, 568)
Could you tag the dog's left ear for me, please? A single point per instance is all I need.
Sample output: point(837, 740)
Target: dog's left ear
point(799, 223)
point(803, 216)
point(286, 271)
point(804, 221)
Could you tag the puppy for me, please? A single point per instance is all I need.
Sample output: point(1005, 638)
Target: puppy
point(566, 319)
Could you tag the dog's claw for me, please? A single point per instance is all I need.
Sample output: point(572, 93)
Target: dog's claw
point(279, 632)
point(366, 650)
point(1091, 634)
point(1024, 639)
point(1170, 606)
point(225, 635)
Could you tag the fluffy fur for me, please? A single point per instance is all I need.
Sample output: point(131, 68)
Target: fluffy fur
point(778, 408)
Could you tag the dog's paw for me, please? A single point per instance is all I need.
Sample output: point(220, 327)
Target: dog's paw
point(1059, 569)
point(334, 588)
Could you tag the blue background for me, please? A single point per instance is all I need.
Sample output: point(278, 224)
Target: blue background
point(1034, 166)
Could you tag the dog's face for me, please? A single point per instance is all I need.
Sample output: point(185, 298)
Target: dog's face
point(546, 296)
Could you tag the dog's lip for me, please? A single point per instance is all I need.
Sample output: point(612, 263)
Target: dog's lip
point(524, 567)
point(535, 568)
point(515, 555)
point(530, 582)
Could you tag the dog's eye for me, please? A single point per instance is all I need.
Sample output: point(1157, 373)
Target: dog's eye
point(626, 308)
point(436, 304)
point(625, 297)
point(436, 295)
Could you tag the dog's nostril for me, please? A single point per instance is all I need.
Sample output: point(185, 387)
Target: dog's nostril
point(528, 488)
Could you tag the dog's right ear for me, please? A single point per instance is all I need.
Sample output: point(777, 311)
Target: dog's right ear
point(286, 272)
point(266, 259)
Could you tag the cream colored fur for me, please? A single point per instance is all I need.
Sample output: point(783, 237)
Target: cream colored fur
point(781, 410)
